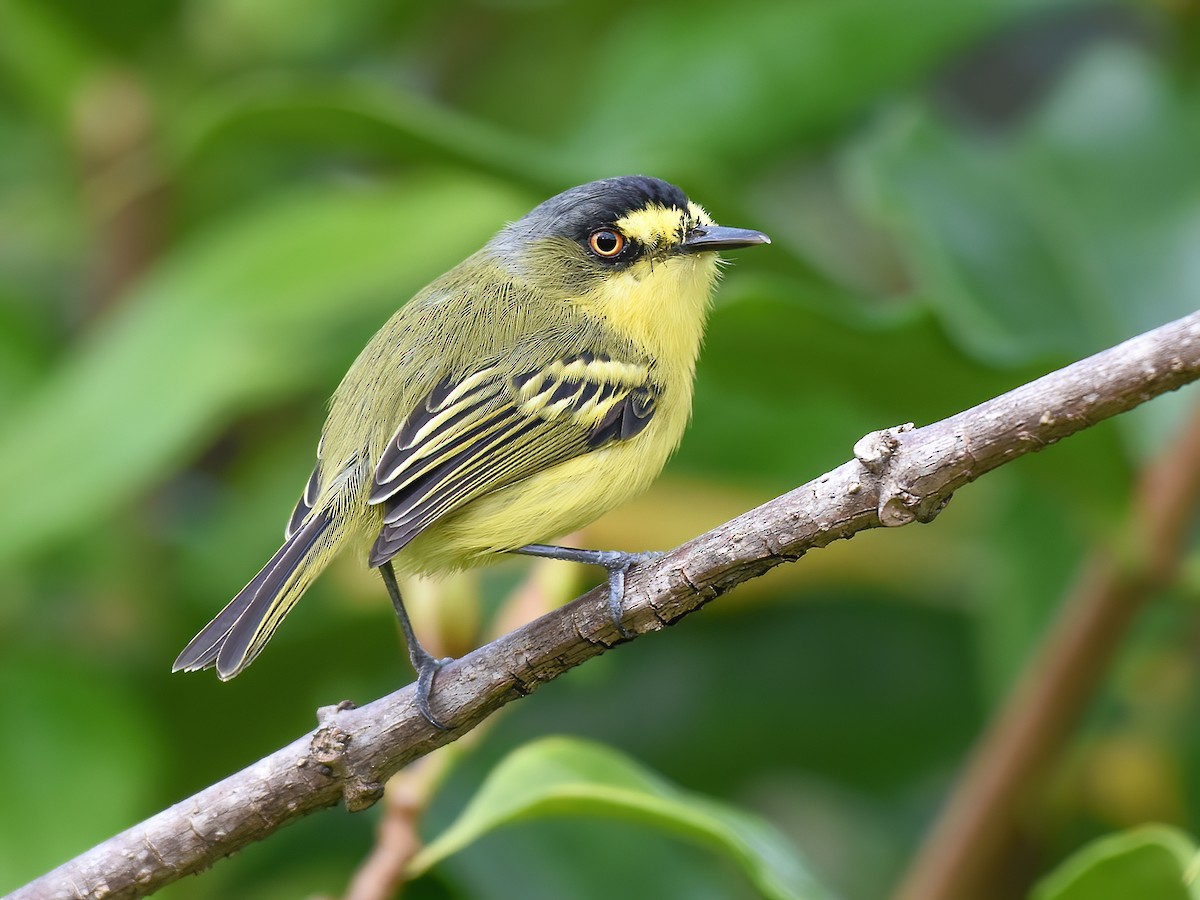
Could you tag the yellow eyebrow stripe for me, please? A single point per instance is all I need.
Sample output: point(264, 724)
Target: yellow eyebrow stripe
point(652, 226)
point(659, 226)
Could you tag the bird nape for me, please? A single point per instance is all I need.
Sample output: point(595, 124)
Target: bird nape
point(541, 382)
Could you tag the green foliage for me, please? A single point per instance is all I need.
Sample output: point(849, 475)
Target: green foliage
point(253, 297)
point(556, 777)
point(1151, 861)
point(206, 208)
point(95, 786)
point(1095, 196)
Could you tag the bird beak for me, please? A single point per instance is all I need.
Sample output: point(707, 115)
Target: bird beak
point(710, 238)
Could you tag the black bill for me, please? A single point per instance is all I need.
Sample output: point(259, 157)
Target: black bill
point(706, 238)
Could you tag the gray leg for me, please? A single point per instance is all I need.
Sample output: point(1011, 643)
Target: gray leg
point(426, 666)
point(616, 561)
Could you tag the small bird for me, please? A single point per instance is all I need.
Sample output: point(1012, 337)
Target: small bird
point(541, 382)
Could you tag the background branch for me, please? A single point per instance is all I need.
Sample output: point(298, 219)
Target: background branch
point(982, 819)
point(407, 794)
point(899, 475)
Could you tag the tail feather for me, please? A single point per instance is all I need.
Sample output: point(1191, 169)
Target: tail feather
point(240, 630)
point(201, 652)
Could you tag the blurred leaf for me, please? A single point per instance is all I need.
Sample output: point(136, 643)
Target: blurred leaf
point(726, 103)
point(788, 381)
point(813, 63)
point(565, 776)
point(225, 324)
point(349, 113)
point(1076, 232)
point(41, 228)
point(890, 678)
point(1072, 235)
point(22, 350)
point(42, 54)
point(1153, 862)
point(269, 31)
point(83, 756)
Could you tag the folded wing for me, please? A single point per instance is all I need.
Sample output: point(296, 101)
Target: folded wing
point(473, 435)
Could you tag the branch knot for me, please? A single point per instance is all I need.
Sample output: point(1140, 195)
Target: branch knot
point(328, 749)
point(876, 452)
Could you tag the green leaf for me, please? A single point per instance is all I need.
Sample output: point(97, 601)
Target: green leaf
point(1153, 862)
point(765, 372)
point(1074, 233)
point(342, 113)
point(238, 318)
point(813, 64)
point(561, 776)
point(273, 31)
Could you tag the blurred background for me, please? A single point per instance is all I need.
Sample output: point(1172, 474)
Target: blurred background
point(208, 206)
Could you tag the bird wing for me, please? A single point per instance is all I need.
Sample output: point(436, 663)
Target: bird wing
point(475, 434)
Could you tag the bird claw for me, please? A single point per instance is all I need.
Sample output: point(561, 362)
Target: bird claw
point(427, 667)
point(618, 563)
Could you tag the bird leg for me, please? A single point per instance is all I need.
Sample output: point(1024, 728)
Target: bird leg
point(617, 562)
point(425, 664)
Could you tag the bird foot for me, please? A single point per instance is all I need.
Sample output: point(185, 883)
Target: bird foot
point(618, 563)
point(427, 667)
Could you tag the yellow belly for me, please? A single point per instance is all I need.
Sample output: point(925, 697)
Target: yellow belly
point(549, 504)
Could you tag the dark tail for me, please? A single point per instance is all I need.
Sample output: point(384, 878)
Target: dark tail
point(239, 631)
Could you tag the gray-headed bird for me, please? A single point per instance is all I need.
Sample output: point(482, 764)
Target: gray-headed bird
point(541, 382)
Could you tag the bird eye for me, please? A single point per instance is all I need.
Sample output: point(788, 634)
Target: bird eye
point(606, 243)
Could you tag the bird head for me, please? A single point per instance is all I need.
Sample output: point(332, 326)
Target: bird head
point(617, 230)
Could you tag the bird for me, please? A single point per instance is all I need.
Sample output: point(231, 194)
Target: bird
point(541, 382)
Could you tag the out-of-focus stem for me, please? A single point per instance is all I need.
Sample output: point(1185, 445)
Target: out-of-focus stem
point(965, 853)
point(409, 792)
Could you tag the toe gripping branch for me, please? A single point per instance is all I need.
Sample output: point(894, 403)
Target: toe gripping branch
point(617, 562)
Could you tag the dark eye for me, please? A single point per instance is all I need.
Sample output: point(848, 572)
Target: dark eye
point(606, 242)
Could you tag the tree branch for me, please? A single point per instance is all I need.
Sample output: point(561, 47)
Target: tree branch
point(900, 475)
